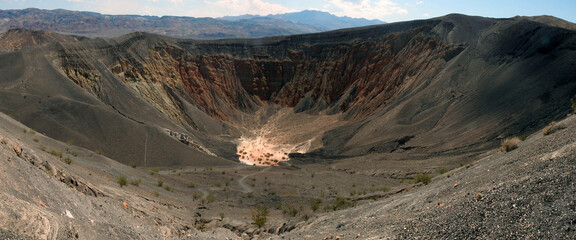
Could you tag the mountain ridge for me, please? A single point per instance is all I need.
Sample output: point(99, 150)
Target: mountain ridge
point(321, 21)
point(93, 24)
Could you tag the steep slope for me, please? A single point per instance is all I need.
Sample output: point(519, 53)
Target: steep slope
point(526, 193)
point(54, 190)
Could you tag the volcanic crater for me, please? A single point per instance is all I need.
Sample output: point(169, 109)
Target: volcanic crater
point(303, 124)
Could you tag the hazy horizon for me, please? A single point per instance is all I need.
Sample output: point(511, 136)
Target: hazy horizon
point(385, 10)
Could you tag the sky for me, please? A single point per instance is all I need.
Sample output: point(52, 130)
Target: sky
point(385, 10)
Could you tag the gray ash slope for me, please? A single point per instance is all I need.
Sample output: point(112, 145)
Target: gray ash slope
point(469, 81)
point(525, 193)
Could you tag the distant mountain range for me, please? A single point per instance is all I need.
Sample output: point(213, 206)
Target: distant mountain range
point(248, 26)
point(321, 21)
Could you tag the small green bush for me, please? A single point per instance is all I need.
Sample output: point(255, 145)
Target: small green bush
point(423, 178)
point(315, 205)
point(210, 198)
point(75, 154)
point(340, 203)
point(136, 182)
point(290, 210)
point(56, 153)
point(195, 195)
point(122, 181)
point(160, 182)
point(68, 160)
point(260, 215)
point(442, 170)
point(478, 197)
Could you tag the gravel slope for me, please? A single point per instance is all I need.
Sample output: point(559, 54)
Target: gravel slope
point(525, 193)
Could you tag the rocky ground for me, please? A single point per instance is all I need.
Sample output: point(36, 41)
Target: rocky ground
point(525, 193)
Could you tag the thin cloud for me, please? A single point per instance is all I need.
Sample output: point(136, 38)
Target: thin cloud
point(258, 7)
point(370, 9)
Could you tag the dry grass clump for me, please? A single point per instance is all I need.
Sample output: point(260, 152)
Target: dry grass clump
point(510, 144)
point(551, 128)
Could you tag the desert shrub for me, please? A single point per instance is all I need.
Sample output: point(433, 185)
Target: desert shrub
point(306, 214)
point(423, 178)
point(68, 160)
point(315, 205)
point(290, 210)
point(340, 203)
point(156, 194)
point(136, 182)
point(195, 195)
point(510, 144)
point(56, 153)
point(160, 182)
point(210, 198)
point(221, 216)
point(168, 188)
point(260, 215)
point(551, 128)
point(573, 101)
point(122, 181)
point(478, 196)
point(133, 165)
point(191, 185)
point(442, 170)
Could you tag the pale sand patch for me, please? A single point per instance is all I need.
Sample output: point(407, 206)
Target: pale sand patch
point(285, 132)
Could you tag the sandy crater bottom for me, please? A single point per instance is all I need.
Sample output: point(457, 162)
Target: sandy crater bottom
point(283, 133)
